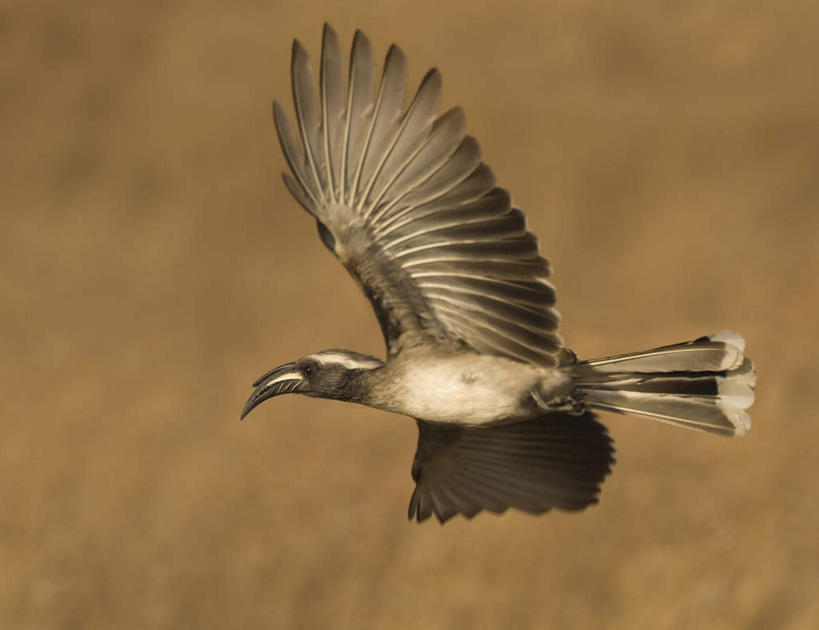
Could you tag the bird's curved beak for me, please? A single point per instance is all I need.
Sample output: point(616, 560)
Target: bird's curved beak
point(285, 379)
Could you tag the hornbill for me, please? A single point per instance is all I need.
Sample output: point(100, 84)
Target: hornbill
point(505, 411)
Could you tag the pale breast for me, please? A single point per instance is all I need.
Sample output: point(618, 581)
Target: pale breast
point(466, 389)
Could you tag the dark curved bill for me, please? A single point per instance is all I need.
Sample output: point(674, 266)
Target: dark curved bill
point(285, 379)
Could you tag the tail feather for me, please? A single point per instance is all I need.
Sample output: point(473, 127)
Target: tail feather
point(705, 384)
point(714, 353)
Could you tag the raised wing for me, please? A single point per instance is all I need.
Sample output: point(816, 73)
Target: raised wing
point(402, 199)
point(555, 461)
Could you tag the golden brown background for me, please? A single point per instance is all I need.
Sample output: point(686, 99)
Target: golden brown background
point(152, 265)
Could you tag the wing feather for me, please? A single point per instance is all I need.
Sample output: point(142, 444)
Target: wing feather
point(359, 111)
point(535, 295)
point(554, 461)
point(461, 180)
point(304, 99)
point(408, 141)
point(332, 111)
point(295, 159)
point(536, 269)
point(403, 200)
point(384, 124)
point(300, 193)
point(439, 148)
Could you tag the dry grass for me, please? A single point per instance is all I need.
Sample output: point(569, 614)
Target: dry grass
point(152, 265)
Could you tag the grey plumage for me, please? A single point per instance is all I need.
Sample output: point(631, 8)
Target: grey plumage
point(700, 355)
point(415, 195)
point(704, 384)
point(505, 412)
point(555, 461)
point(304, 100)
point(384, 125)
point(359, 98)
point(332, 109)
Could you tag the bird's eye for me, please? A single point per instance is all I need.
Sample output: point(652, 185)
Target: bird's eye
point(307, 370)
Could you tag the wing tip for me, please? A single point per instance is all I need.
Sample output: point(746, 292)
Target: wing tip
point(278, 111)
point(433, 74)
point(361, 42)
point(329, 40)
point(395, 56)
point(299, 59)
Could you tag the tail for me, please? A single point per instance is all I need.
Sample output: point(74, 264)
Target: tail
point(705, 384)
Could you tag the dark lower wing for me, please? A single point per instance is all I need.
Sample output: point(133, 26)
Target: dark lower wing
point(554, 461)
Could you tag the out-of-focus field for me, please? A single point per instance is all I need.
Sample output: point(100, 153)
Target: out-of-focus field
point(152, 265)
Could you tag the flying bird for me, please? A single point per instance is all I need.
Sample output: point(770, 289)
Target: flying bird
point(505, 411)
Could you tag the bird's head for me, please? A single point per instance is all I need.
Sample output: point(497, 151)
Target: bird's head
point(327, 374)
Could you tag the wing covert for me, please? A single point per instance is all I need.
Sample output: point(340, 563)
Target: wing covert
point(402, 198)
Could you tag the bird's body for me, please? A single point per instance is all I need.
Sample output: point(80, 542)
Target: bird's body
point(465, 388)
point(463, 298)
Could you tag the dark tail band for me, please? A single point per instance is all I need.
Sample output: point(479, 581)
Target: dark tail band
point(705, 384)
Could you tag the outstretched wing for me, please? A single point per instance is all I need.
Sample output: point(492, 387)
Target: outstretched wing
point(555, 461)
point(402, 198)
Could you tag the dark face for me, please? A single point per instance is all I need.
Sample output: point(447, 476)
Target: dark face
point(329, 376)
point(323, 380)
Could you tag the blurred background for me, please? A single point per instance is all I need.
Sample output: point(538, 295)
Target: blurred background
point(152, 265)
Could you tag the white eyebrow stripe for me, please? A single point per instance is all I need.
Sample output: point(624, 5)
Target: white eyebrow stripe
point(346, 361)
